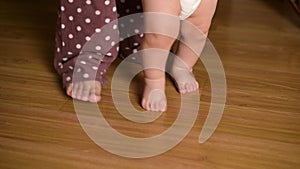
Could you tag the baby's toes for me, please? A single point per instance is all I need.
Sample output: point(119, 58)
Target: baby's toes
point(181, 88)
point(196, 86)
point(154, 106)
point(163, 106)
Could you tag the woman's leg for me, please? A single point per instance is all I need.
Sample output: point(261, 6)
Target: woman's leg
point(128, 11)
point(77, 22)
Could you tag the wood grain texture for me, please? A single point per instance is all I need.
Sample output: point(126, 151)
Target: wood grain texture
point(258, 44)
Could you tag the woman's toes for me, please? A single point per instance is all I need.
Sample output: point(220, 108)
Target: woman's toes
point(95, 92)
point(79, 91)
point(74, 90)
point(85, 93)
point(69, 90)
point(94, 99)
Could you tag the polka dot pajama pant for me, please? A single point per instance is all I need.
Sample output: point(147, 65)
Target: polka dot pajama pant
point(77, 51)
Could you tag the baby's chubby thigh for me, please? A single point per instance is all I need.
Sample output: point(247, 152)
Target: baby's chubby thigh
point(203, 15)
point(195, 28)
point(161, 17)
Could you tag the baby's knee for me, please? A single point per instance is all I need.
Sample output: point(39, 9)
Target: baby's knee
point(193, 34)
point(204, 29)
point(158, 41)
point(160, 30)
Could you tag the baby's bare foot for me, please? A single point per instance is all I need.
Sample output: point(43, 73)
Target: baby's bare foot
point(184, 78)
point(154, 98)
point(85, 91)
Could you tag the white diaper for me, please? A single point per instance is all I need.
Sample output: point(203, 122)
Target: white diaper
point(188, 7)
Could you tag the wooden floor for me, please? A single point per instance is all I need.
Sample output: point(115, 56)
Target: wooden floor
point(259, 45)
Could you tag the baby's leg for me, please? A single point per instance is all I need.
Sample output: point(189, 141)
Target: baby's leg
point(193, 31)
point(77, 22)
point(154, 62)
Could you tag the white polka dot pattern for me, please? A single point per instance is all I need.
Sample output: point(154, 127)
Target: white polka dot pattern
point(78, 21)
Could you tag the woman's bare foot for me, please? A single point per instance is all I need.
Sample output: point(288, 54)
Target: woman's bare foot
point(85, 91)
